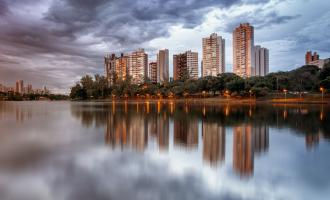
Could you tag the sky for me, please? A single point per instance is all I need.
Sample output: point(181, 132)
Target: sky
point(55, 42)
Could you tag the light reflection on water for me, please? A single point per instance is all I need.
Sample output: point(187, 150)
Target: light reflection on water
point(163, 150)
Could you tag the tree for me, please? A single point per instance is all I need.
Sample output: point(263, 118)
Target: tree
point(99, 86)
point(78, 92)
point(236, 85)
point(87, 84)
point(325, 83)
point(325, 72)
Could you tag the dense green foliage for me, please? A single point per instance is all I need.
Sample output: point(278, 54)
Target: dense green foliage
point(307, 78)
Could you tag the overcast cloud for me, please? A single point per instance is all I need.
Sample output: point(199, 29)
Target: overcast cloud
point(55, 42)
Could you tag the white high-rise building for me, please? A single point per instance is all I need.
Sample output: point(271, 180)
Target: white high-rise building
point(192, 64)
point(261, 61)
point(213, 55)
point(138, 68)
point(162, 66)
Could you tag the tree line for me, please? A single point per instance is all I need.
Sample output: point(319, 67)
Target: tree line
point(307, 78)
point(11, 96)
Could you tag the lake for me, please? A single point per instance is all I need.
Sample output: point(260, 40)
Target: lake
point(163, 150)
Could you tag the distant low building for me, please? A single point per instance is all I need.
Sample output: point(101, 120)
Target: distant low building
point(311, 57)
point(320, 63)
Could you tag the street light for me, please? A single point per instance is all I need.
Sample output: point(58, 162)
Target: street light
point(227, 93)
point(250, 91)
point(322, 90)
point(285, 91)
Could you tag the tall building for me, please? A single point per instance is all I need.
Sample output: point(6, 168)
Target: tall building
point(116, 68)
point(243, 55)
point(185, 66)
point(122, 67)
point(213, 55)
point(110, 66)
point(138, 66)
point(162, 66)
point(29, 89)
point(261, 57)
point(19, 87)
point(310, 57)
point(153, 72)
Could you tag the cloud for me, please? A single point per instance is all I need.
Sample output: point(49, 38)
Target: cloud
point(43, 36)
point(78, 33)
point(259, 18)
point(3, 7)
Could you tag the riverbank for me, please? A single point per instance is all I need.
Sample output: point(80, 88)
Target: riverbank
point(223, 100)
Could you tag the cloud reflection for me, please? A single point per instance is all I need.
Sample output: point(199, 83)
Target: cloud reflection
point(100, 174)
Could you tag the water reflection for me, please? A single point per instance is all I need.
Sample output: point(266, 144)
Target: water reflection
point(201, 127)
point(214, 143)
point(163, 150)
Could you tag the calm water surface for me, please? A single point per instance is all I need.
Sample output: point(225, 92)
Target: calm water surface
point(163, 150)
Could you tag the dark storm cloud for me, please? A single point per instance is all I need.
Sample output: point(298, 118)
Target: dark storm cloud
point(260, 20)
point(127, 21)
point(3, 7)
point(70, 30)
point(77, 32)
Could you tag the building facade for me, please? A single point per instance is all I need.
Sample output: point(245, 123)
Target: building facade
point(134, 65)
point(138, 68)
point(109, 67)
point(153, 72)
point(163, 66)
point(314, 59)
point(122, 67)
point(185, 66)
point(311, 57)
point(261, 57)
point(213, 55)
point(243, 55)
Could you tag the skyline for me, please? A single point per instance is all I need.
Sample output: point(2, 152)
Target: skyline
point(63, 40)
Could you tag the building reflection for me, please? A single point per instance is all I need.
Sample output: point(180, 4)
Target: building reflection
point(214, 143)
point(159, 128)
point(163, 131)
point(127, 131)
point(135, 125)
point(243, 150)
point(185, 132)
point(248, 141)
point(312, 141)
point(261, 138)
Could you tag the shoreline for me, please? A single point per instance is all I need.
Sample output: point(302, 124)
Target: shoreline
point(220, 100)
point(209, 100)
